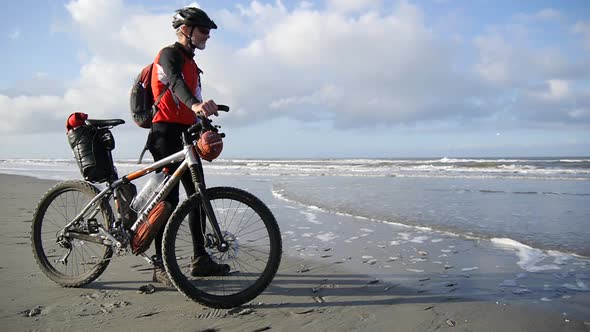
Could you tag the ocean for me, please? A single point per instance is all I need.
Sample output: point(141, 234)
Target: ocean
point(543, 203)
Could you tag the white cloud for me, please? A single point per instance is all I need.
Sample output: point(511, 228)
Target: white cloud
point(549, 14)
point(327, 95)
point(14, 35)
point(268, 61)
point(40, 84)
point(496, 58)
point(380, 73)
point(580, 114)
point(558, 89)
point(543, 15)
point(28, 114)
point(97, 14)
point(253, 19)
point(101, 91)
point(554, 102)
point(506, 60)
point(351, 5)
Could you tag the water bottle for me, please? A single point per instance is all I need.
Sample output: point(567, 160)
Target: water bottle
point(150, 188)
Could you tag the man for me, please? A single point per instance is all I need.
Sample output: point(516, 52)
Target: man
point(176, 73)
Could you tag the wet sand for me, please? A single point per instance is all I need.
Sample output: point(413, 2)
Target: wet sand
point(331, 290)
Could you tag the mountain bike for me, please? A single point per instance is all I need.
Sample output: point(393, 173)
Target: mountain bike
point(75, 233)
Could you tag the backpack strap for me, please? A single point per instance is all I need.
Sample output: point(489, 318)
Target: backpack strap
point(161, 94)
point(145, 148)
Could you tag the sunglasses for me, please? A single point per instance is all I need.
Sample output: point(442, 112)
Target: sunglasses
point(204, 31)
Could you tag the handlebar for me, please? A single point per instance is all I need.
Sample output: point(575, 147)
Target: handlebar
point(223, 108)
point(204, 123)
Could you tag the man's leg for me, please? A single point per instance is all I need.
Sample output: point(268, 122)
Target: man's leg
point(195, 221)
point(162, 143)
point(202, 264)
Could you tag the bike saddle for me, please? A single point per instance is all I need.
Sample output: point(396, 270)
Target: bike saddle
point(105, 123)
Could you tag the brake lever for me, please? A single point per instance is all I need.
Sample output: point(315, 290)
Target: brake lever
point(197, 127)
point(204, 122)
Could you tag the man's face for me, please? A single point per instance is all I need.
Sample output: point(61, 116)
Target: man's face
point(200, 36)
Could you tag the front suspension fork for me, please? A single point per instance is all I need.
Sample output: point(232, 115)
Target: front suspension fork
point(222, 245)
point(196, 169)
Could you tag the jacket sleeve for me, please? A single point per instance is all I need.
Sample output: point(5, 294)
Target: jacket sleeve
point(171, 62)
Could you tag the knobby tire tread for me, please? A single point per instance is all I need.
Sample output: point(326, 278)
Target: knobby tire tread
point(219, 301)
point(37, 247)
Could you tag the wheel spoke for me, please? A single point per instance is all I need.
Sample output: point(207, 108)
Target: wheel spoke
point(253, 256)
point(86, 260)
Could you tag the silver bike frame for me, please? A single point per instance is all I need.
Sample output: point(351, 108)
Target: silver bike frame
point(170, 182)
point(187, 157)
point(166, 187)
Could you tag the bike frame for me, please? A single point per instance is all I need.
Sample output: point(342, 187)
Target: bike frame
point(189, 159)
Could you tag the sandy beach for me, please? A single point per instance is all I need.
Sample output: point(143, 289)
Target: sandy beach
point(330, 290)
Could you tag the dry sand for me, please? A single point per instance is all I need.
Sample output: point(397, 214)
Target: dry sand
point(327, 297)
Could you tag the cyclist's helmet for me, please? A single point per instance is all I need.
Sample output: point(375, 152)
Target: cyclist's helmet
point(192, 16)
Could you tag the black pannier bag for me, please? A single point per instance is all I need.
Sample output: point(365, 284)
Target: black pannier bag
point(92, 151)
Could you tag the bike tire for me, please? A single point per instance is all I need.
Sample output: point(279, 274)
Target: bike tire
point(249, 227)
point(60, 203)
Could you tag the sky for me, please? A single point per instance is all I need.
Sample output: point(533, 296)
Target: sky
point(313, 79)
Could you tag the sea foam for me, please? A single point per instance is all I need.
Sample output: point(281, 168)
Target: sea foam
point(529, 257)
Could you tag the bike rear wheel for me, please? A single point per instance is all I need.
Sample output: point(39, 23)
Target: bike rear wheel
point(254, 253)
point(86, 260)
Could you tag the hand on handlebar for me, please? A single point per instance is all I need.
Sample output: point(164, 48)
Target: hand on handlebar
point(206, 108)
point(204, 123)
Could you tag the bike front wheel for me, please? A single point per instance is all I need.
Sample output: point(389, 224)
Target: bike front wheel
point(69, 262)
point(254, 254)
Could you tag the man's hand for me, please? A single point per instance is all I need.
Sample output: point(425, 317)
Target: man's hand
point(207, 108)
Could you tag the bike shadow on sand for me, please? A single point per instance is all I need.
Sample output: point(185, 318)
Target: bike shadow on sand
point(315, 290)
point(127, 285)
point(309, 290)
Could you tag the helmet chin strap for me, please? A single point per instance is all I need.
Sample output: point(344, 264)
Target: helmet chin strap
point(190, 39)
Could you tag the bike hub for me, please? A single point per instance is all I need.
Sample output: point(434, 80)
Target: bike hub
point(223, 247)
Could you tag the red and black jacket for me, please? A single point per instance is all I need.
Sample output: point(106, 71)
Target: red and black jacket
point(175, 70)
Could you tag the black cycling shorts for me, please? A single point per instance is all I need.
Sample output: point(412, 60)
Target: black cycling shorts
point(164, 140)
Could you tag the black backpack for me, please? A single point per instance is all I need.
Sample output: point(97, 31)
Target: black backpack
point(143, 107)
point(141, 100)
